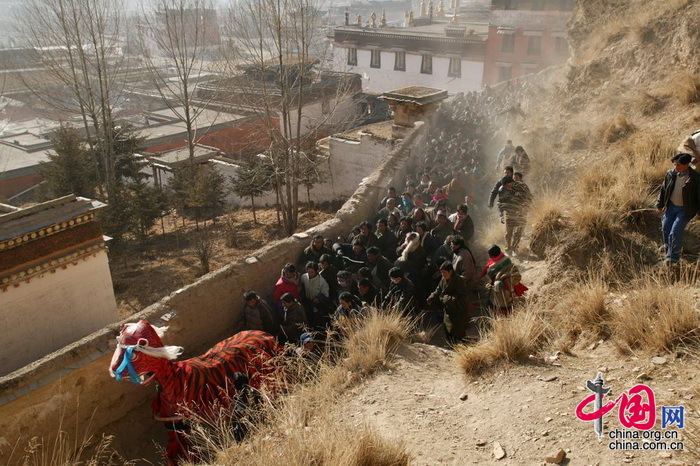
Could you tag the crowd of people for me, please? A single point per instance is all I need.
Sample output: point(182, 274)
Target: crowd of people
point(415, 252)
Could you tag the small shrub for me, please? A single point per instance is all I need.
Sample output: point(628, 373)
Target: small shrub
point(509, 339)
point(657, 318)
point(686, 88)
point(204, 249)
point(616, 129)
point(595, 221)
point(649, 104)
point(584, 312)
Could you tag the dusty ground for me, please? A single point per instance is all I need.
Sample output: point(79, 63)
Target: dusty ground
point(144, 273)
point(528, 410)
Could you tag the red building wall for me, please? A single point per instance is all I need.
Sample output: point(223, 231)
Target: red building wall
point(250, 137)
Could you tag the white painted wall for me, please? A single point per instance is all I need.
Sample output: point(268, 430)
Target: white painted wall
point(349, 163)
point(385, 79)
point(49, 312)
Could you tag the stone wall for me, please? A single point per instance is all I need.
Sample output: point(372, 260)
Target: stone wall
point(75, 380)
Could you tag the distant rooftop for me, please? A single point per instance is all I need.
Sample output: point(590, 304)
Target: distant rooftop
point(532, 20)
point(381, 130)
point(175, 156)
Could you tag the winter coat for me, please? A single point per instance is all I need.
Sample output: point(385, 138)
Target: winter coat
point(691, 192)
point(260, 317)
point(453, 297)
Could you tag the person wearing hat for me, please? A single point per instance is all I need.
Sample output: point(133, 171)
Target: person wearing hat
point(679, 200)
point(257, 315)
point(444, 227)
point(400, 294)
point(452, 297)
point(293, 319)
point(502, 281)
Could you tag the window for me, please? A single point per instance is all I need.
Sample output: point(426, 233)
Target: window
point(504, 73)
point(426, 64)
point(561, 46)
point(508, 44)
point(455, 70)
point(510, 5)
point(538, 4)
point(534, 46)
point(400, 61)
point(376, 60)
point(352, 56)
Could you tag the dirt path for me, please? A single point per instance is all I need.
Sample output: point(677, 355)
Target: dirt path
point(528, 410)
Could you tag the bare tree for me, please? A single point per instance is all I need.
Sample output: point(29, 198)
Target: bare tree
point(274, 55)
point(78, 43)
point(175, 38)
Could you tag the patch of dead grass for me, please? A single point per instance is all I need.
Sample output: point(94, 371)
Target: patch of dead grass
point(685, 87)
point(615, 129)
point(656, 317)
point(507, 339)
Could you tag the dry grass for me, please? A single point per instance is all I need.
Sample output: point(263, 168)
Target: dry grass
point(595, 221)
point(584, 314)
point(369, 341)
point(304, 426)
point(657, 317)
point(546, 217)
point(511, 339)
point(685, 87)
point(615, 129)
point(64, 450)
point(649, 104)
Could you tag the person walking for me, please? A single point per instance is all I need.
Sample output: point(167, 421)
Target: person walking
point(679, 200)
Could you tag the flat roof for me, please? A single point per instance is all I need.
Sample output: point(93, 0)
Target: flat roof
point(14, 158)
point(206, 117)
point(183, 153)
point(381, 130)
point(33, 218)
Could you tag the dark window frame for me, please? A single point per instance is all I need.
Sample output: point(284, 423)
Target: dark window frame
point(426, 64)
point(375, 53)
point(352, 56)
point(451, 72)
point(534, 45)
point(399, 65)
point(508, 46)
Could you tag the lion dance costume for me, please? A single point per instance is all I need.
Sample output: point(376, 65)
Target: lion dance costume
point(198, 385)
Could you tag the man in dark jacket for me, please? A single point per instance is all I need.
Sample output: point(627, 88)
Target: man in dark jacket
point(386, 240)
point(452, 296)
point(258, 315)
point(507, 172)
point(293, 320)
point(679, 200)
point(400, 294)
point(314, 251)
point(380, 266)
